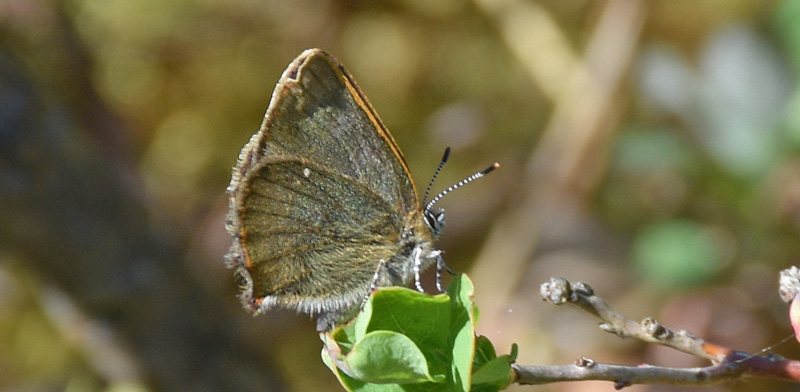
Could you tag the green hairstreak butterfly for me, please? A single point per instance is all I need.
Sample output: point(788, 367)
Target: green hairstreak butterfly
point(322, 206)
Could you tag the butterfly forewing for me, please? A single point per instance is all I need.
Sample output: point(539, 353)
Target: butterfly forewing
point(321, 197)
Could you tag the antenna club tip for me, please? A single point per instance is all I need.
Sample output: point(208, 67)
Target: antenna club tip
point(490, 168)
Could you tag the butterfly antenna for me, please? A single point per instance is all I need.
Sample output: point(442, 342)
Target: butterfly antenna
point(460, 184)
point(436, 174)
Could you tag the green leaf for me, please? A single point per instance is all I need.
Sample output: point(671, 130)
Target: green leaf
point(496, 371)
point(490, 372)
point(420, 316)
point(388, 357)
point(408, 341)
point(484, 352)
point(424, 319)
point(462, 332)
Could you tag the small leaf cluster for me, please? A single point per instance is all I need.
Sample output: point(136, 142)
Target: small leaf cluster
point(404, 340)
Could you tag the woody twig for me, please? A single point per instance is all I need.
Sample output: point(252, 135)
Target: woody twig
point(725, 363)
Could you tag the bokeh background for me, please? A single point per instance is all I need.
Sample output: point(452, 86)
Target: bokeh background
point(648, 148)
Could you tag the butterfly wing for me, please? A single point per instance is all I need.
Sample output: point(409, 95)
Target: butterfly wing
point(319, 196)
point(318, 113)
point(312, 239)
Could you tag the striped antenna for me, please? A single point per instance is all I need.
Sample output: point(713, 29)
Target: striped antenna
point(436, 174)
point(461, 183)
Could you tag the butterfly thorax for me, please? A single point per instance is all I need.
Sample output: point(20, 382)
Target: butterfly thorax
point(415, 248)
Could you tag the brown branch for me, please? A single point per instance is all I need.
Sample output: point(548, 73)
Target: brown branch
point(585, 369)
point(727, 364)
point(581, 295)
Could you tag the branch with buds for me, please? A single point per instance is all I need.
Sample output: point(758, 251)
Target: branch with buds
point(725, 363)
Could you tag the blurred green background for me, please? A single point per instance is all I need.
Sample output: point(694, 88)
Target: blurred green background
point(648, 148)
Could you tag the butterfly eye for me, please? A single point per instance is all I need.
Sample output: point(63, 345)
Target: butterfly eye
point(435, 220)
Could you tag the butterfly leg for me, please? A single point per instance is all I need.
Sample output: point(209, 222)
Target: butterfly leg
point(374, 284)
point(441, 265)
point(416, 255)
